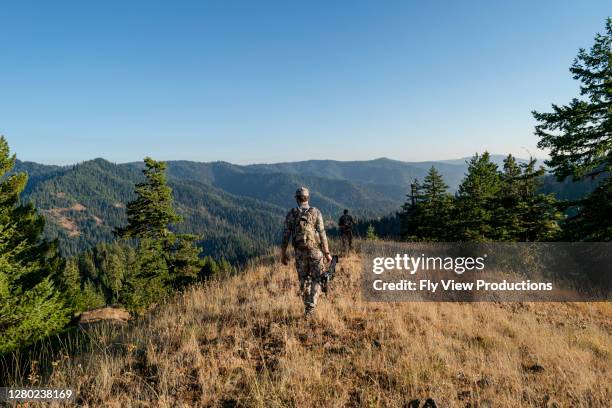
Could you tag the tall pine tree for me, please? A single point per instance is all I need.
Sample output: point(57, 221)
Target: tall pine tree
point(166, 259)
point(152, 213)
point(410, 212)
point(31, 305)
point(435, 208)
point(508, 217)
point(429, 218)
point(579, 136)
point(476, 201)
point(523, 214)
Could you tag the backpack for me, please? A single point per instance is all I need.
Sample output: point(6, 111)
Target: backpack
point(346, 223)
point(304, 231)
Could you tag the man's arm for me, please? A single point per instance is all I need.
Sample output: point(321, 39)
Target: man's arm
point(321, 230)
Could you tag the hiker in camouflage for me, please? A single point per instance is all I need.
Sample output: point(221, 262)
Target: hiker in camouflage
point(304, 226)
point(346, 231)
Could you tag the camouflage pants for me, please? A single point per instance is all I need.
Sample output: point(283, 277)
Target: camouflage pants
point(310, 266)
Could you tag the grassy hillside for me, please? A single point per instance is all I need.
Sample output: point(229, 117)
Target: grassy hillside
point(243, 342)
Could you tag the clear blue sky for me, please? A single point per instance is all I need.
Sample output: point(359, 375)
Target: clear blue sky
point(258, 81)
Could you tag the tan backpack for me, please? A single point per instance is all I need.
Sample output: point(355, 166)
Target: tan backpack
point(304, 231)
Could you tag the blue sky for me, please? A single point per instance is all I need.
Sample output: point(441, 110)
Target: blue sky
point(259, 81)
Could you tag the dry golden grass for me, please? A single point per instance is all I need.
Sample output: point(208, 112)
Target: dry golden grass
point(244, 342)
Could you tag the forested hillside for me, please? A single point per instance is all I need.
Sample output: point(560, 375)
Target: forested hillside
point(392, 177)
point(86, 202)
point(236, 209)
point(276, 187)
point(236, 212)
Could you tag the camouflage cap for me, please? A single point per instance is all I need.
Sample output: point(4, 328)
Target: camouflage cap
point(302, 192)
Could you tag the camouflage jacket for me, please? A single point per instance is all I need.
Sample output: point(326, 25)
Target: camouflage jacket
point(289, 228)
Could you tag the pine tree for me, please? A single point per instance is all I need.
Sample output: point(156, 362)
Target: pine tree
point(31, 305)
point(594, 221)
point(151, 280)
point(371, 233)
point(508, 217)
point(81, 295)
point(184, 264)
point(152, 213)
point(579, 136)
point(540, 215)
point(166, 259)
point(114, 268)
point(409, 214)
point(434, 208)
point(476, 201)
point(523, 214)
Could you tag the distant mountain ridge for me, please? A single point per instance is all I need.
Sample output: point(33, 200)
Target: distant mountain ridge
point(86, 202)
point(237, 209)
point(278, 188)
point(377, 171)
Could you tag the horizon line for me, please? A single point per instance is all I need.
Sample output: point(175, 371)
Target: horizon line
point(444, 161)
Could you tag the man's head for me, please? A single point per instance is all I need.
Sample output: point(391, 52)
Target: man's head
point(345, 212)
point(302, 195)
